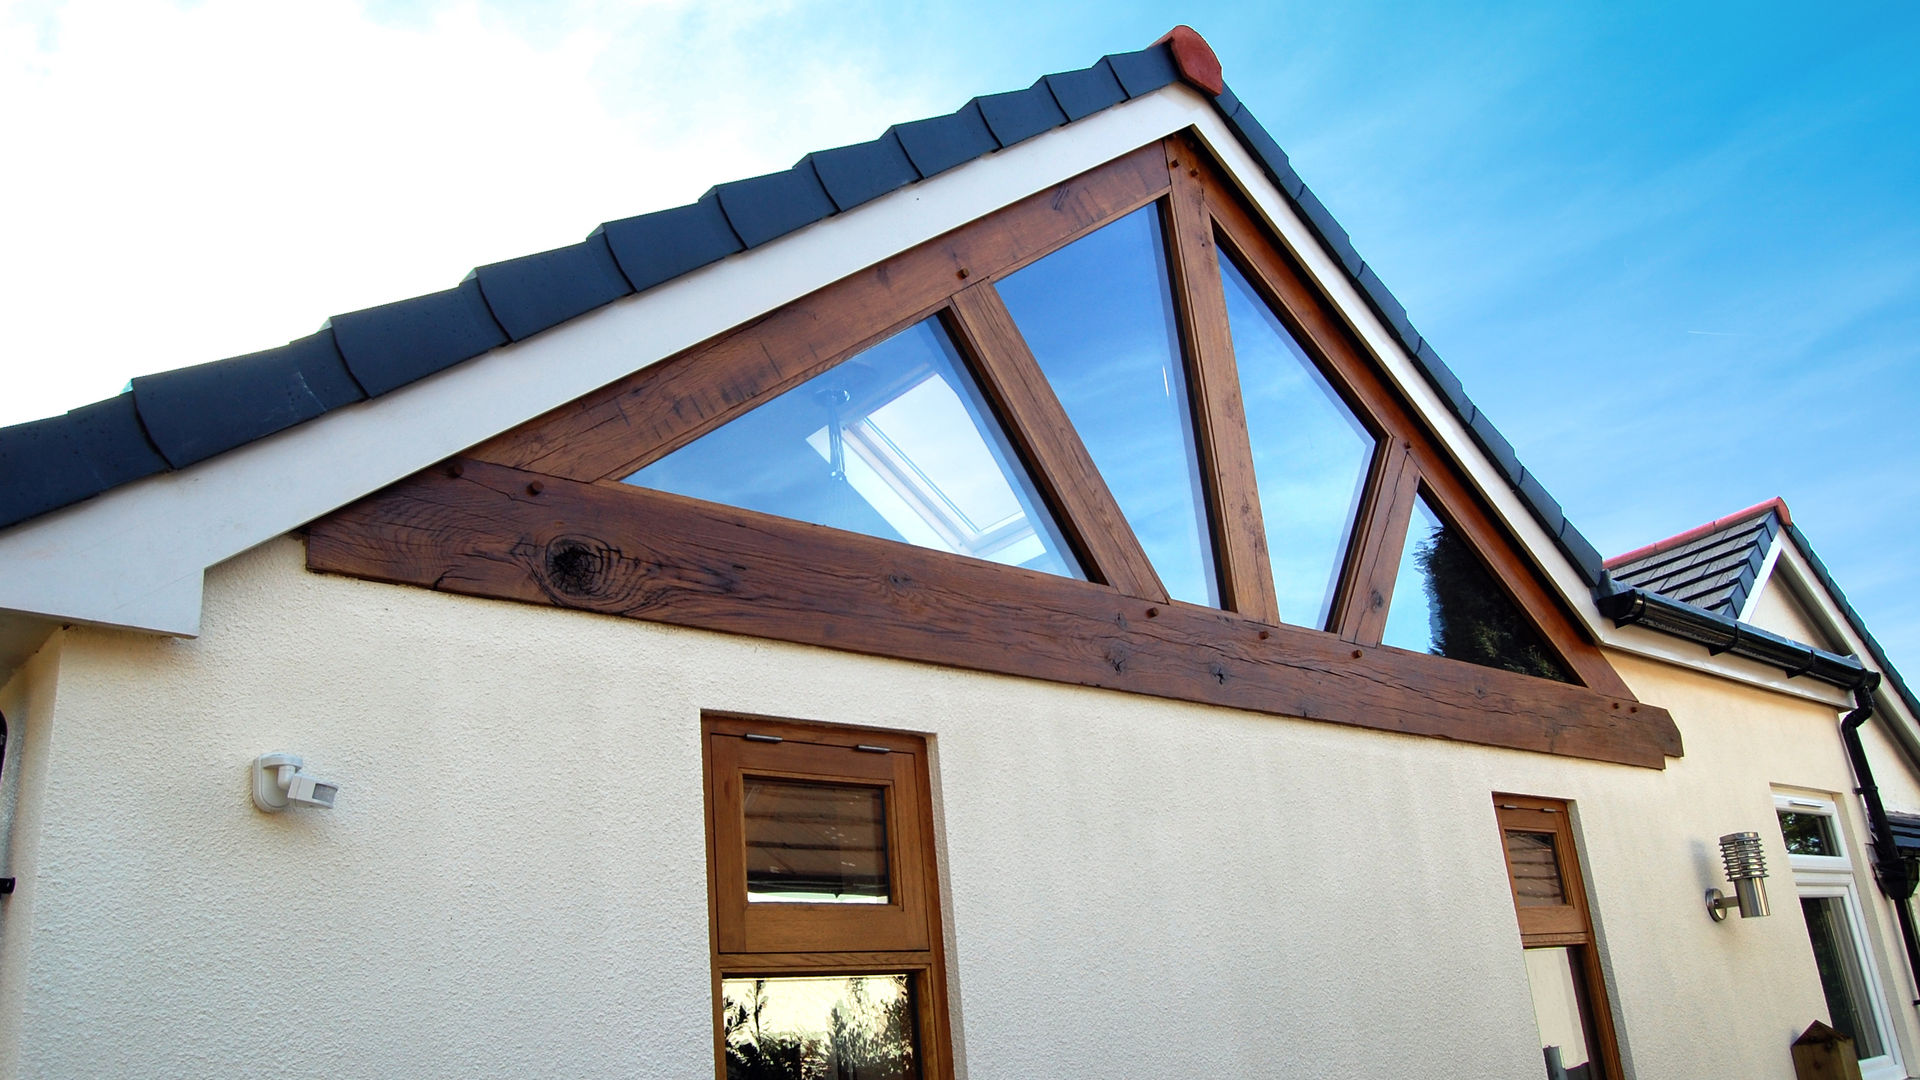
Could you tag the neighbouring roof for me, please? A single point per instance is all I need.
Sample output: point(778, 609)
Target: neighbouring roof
point(173, 419)
point(1713, 567)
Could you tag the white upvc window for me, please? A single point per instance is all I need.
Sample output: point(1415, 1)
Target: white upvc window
point(1823, 876)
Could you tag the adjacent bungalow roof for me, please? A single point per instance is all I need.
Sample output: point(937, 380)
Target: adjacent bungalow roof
point(174, 419)
point(1714, 566)
point(1719, 567)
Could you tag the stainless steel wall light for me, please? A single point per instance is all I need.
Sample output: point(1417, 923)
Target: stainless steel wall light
point(1747, 870)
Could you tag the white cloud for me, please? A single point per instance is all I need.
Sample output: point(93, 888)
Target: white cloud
point(193, 182)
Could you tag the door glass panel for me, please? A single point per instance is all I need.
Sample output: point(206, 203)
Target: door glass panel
point(1838, 958)
point(815, 843)
point(1560, 1010)
point(1808, 834)
point(1536, 869)
point(1098, 315)
point(1445, 603)
point(836, 1027)
point(1310, 454)
point(895, 442)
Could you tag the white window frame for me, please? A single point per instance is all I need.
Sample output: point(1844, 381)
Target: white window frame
point(1832, 876)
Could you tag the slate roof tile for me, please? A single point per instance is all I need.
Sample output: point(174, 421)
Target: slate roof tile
point(50, 463)
point(537, 292)
point(196, 412)
point(389, 346)
point(864, 171)
point(1087, 91)
point(661, 246)
point(764, 208)
point(939, 143)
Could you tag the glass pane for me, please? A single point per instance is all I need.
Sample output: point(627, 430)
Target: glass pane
point(1808, 834)
point(1098, 315)
point(1310, 454)
point(1838, 959)
point(815, 843)
point(1466, 615)
point(1560, 1009)
point(1536, 869)
point(896, 442)
point(837, 1027)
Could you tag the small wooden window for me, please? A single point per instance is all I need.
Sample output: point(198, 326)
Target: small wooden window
point(1556, 930)
point(826, 934)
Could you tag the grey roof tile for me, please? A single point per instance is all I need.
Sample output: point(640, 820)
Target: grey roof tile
point(938, 143)
point(1085, 92)
point(47, 464)
point(1714, 570)
point(1141, 73)
point(764, 208)
point(196, 412)
point(1020, 114)
point(660, 246)
point(389, 346)
point(536, 292)
point(864, 171)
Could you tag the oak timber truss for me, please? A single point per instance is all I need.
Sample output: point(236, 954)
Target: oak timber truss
point(552, 513)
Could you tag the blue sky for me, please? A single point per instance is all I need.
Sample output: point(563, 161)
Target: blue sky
point(1672, 250)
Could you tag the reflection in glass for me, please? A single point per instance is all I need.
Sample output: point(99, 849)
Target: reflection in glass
point(1310, 454)
point(1808, 834)
point(1840, 975)
point(815, 843)
point(1535, 868)
point(896, 442)
point(1560, 1008)
point(837, 1027)
point(1466, 615)
point(1098, 315)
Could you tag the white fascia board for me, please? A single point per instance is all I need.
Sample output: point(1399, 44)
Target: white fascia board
point(1765, 576)
point(135, 556)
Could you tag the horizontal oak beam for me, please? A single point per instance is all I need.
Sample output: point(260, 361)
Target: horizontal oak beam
point(487, 530)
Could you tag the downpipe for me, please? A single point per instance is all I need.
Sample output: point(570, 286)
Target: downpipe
point(1894, 875)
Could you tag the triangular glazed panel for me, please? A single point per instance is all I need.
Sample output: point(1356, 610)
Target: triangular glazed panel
point(895, 442)
point(1099, 317)
point(1310, 454)
point(1446, 603)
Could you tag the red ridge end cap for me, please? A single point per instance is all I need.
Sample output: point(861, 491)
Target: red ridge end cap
point(1195, 59)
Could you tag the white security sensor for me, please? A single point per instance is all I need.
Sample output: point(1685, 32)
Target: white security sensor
point(278, 781)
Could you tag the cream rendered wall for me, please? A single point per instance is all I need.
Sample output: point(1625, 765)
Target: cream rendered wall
point(514, 883)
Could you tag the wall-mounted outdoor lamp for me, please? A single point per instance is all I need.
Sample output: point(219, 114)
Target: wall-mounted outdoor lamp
point(1747, 870)
point(278, 781)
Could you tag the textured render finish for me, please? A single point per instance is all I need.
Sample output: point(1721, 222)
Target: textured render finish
point(514, 883)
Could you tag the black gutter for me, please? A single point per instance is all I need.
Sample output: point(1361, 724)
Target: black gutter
point(1894, 874)
point(1633, 606)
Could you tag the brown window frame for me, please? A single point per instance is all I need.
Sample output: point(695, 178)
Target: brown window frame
point(539, 514)
point(903, 935)
point(1568, 925)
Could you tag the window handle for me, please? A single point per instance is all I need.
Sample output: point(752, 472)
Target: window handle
point(754, 736)
point(866, 749)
